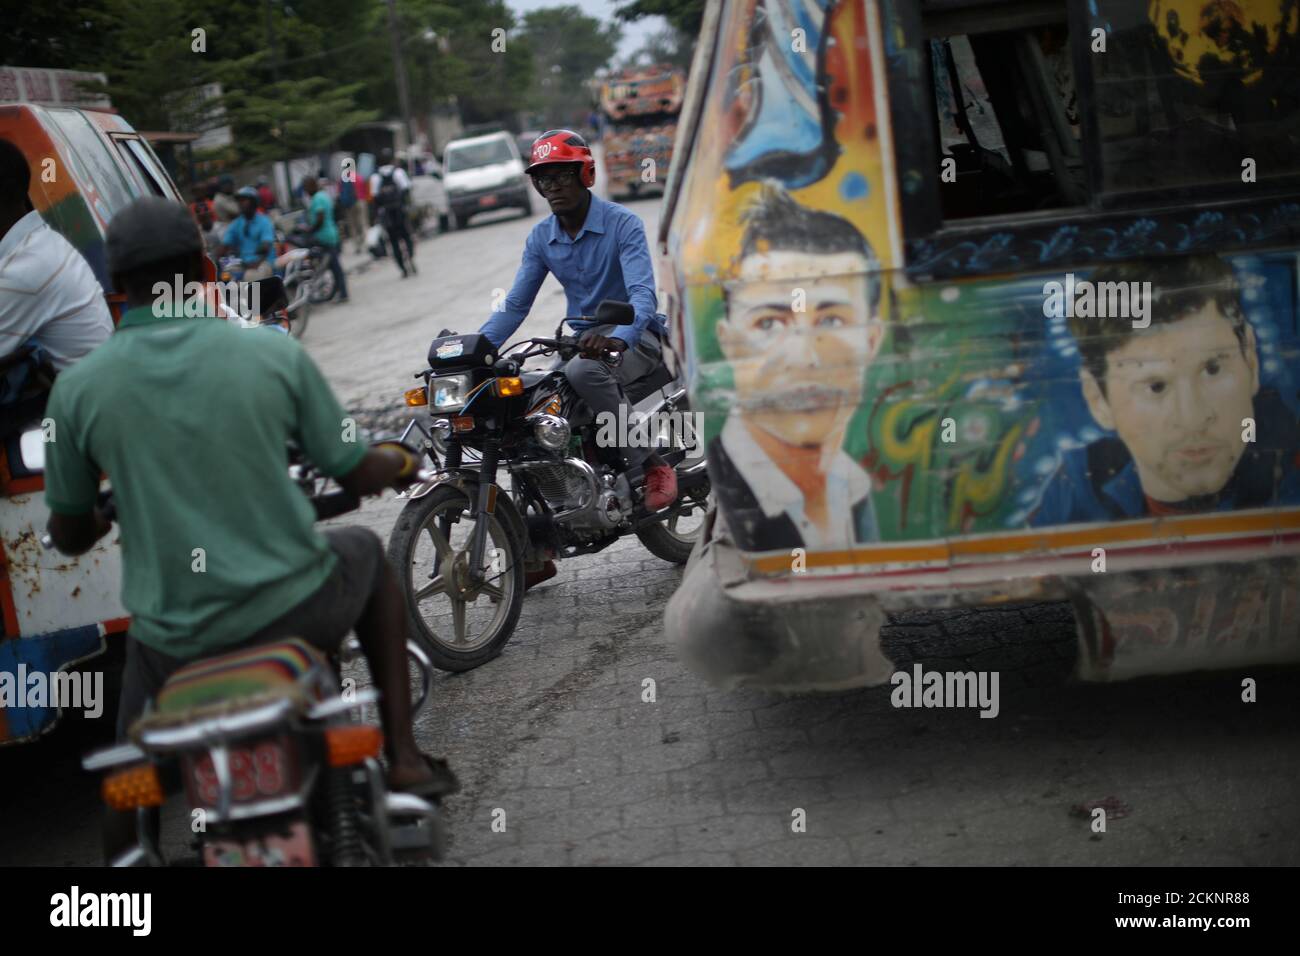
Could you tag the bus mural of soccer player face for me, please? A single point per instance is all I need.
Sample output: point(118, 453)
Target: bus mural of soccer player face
point(1177, 392)
point(799, 357)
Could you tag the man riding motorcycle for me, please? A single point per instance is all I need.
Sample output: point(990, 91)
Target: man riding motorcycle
point(190, 419)
point(251, 237)
point(597, 250)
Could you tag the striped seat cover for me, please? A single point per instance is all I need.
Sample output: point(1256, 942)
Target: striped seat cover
point(283, 667)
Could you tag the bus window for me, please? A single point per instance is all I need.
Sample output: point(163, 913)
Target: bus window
point(139, 157)
point(1006, 114)
point(87, 149)
point(1158, 130)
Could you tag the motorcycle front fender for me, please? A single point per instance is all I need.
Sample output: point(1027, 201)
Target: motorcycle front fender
point(467, 482)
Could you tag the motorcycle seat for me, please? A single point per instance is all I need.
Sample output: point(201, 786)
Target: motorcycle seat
point(290, 668)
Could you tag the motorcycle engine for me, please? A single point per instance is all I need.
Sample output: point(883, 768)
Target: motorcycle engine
point(585, 503)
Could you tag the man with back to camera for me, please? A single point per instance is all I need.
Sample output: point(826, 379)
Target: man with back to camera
point(161, 418)
point(390, 192)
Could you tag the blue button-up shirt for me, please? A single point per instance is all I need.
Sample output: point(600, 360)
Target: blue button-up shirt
point(608, 259)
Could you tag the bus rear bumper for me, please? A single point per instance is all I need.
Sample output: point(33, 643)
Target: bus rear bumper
point(799, 633)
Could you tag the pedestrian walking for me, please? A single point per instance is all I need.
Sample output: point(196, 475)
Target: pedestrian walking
point(391, 189)
point(354, 211)
point(324, 232)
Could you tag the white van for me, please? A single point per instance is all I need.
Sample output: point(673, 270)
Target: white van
point(482, 173)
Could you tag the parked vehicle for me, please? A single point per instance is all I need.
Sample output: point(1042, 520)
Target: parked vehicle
point(86, 166)
point(1026, 320)
point(483, 173)
point(639, 107)
point(271, 758)
point(462, 542)
point(430, 209)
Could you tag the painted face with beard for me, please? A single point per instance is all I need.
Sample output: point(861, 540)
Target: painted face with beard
point(799, 347)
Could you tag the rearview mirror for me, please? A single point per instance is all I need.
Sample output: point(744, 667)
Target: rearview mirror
point(269, 294)
point(613, 312)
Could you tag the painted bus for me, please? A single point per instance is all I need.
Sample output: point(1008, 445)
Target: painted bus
point(639, 108)
point(990, 302)
point(58, 611)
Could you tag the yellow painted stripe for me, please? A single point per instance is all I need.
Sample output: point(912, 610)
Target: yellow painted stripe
point(1154, 530)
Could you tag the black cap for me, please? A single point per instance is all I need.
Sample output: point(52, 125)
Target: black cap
point(150, 229)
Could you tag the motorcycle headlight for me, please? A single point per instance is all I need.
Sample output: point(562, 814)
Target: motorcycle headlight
point(449, 392)
point(551, 431)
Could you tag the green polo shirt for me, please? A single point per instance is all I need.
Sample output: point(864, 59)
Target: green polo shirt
point(189, 419)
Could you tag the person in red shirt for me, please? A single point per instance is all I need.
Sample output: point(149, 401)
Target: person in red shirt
point(265, 195)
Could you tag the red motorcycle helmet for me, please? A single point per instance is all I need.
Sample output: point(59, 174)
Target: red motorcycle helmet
point(562, 146)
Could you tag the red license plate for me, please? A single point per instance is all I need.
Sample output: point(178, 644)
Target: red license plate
point(291, 848)
point(257, 770)
point(487, 200)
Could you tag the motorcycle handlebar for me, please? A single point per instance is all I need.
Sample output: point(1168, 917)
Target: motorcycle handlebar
point(567, 346)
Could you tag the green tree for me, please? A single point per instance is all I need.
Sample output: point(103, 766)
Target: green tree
point(292, 117)
point(685, 19)
point(685, 16)
point(568, 48)
point(663, 46)
point(55, 34)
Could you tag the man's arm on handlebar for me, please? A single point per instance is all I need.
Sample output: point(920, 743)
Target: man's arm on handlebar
point(385, 465)
point(532, 272)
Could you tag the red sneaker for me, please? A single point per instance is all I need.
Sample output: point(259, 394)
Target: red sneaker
point(545, 573)
point(660, 487)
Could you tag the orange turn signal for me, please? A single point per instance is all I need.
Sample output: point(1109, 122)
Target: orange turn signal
point(462, 423)
point(417, 396)
point(510, 386)
point(352, 743)
point(133, 787)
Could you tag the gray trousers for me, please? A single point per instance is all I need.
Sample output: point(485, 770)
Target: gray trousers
point(601, 387)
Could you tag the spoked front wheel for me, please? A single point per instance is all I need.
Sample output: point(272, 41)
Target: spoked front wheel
point(461, 620)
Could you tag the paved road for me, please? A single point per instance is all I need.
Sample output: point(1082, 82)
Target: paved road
point(555, 736)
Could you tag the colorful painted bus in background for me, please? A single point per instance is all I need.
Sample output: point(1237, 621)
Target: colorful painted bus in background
point(639, 108)
point(991, 302)
point(58, 611)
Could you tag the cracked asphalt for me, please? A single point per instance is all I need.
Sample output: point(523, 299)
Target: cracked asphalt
point(557, 746)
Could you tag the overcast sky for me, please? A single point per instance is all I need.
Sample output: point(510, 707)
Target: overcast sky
point(634, 34)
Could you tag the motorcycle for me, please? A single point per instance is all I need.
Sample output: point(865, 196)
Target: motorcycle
point(294, 306)
point(463, 542)
point(319, 280)
point(275, 765)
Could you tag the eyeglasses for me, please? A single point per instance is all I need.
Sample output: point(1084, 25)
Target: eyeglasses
point(551, 180)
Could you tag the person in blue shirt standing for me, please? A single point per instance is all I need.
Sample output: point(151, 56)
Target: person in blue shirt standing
point(320, 220)
point(250, 237)
point(597, 250)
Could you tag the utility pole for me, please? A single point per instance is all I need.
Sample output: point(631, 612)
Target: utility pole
point(403, 94)
point(270, 44)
